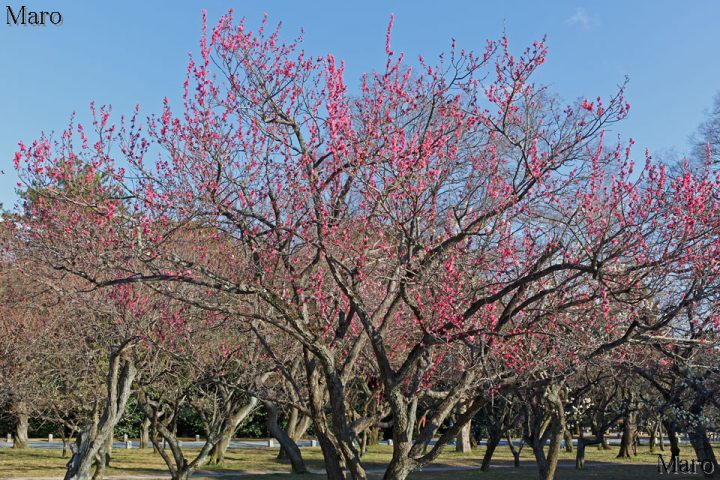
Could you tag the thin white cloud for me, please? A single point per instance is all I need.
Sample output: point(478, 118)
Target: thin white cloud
point(582, 19)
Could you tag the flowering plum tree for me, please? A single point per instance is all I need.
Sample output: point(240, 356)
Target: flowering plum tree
point(198, 362)
point(682, 356)
point(449, 217)
point(23, 330)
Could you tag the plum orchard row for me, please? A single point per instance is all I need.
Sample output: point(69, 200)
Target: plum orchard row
point(449, 242)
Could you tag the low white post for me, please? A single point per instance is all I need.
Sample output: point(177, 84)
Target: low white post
point(179, 442)
point(390, 442)
point(8, 438)
point(128, 444)
point(125, 438)
point(313, 443)
point(271, 443)
point(50, 437)
point(197, 438)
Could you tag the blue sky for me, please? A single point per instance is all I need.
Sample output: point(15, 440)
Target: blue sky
point(129, 52)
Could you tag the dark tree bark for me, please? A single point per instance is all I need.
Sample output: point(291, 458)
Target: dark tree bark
point(165, 438)
point(629, 434)
point(514, 450)
point(102, 461)
point(494, 436)
point(293, 452)
point(704, 451)
point(217, 456)
point(342, 430)
point(670, 427)
point(626, 442)
point(558, 426)
point(699, 439)
point(653, 437)
point(100, 465)
point(331, 454)
point(297, 425)
point(64, 446)
point(94, 436)
point(333, 467)
point(545, 419)
point(661, 439)
point(580, 451)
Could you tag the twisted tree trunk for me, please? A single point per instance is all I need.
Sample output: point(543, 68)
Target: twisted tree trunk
point(541, 426)
point(94, 436)
point(297, 426)
point(629, 435)
point(331, 454)
point(558, 427)
point(494, 436)
point(580, 451)
point(514, 450)
point(293, 452)
point(217, 456)
point(626, 442)
point(179, 466)
point(102, 460)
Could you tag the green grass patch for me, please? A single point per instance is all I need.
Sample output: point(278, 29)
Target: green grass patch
point(261, 463)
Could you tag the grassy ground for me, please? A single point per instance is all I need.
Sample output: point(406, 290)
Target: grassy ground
point(251, 463)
